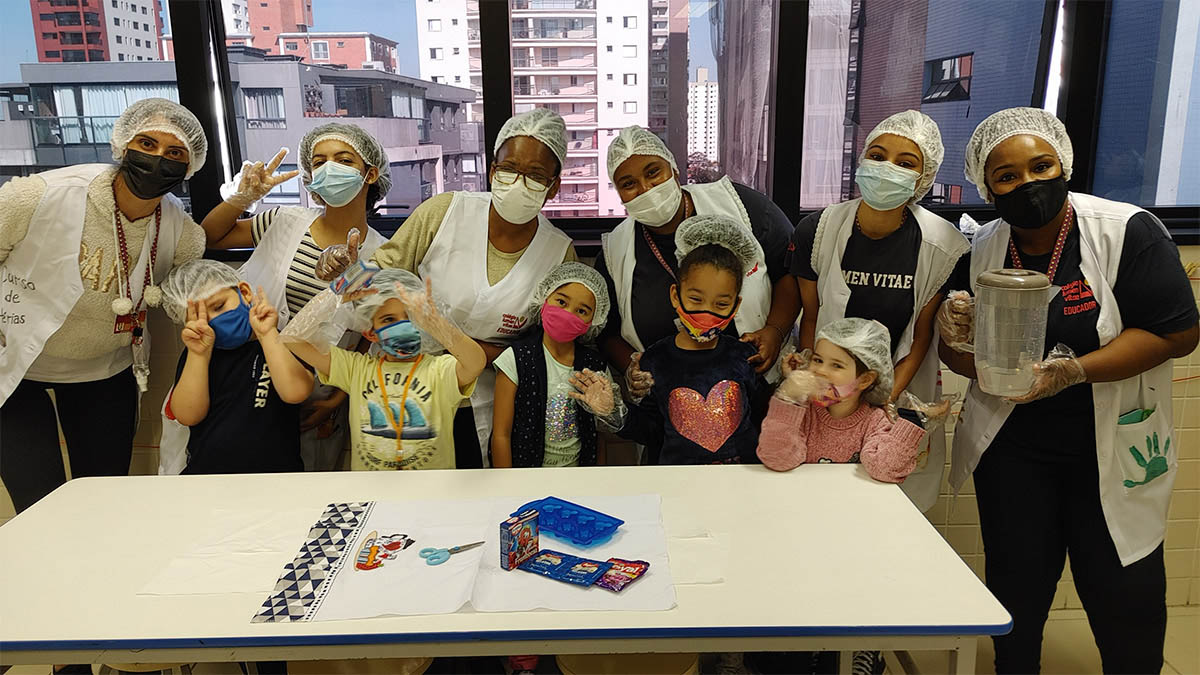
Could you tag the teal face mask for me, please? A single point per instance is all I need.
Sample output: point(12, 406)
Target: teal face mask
point(885, 186)
point(336, 184)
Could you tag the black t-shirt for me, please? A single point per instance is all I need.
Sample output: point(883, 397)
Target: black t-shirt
point(1152, 293)
point(881, 273)
point(248, 429)
point(709, 400)
point(653, 316)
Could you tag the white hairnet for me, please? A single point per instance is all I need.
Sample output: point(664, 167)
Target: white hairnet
point(542, 124)
point(574, 272)
point(726, 232)
point(870, 342)
point(386, 282)
point(369, 149)
point(160, 114)
point(1005, 124)
point(919, 128)
point(195, 280)
point(634, 140)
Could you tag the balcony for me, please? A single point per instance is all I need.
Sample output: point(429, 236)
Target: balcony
point(586, 89)
point(572, 200)
point(472, 6)
point(472, 35)
point(476, 63)
point(582, 145)
point(553, 5)
point(588, 61)
point(588, 33)
point(580, 118)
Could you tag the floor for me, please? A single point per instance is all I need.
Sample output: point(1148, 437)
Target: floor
point(1068, 649)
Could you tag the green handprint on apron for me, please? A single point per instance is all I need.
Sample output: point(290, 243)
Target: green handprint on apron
point(1155, 466)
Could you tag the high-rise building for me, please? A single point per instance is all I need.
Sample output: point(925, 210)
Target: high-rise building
point(743, 38)
point(703, 113)
point(258, 23)
point(590, 65)
point(109, 30)
point(669, 74)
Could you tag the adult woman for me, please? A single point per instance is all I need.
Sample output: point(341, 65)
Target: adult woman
point(638, 256)
point(883, 257)
point(1084, 462)
point(347, 172)
point(486, 251)
point(84, 334)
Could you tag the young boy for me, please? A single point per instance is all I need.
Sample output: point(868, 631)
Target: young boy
point(237, 386)
point(402, 403)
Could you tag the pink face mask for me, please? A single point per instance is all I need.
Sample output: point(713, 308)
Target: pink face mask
point(834, 395)
point(561, 325)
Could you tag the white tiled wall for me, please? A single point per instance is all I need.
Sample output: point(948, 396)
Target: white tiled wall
point(959, 525)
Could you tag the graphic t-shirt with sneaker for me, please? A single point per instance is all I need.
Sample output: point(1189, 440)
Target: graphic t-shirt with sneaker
point(426, 413)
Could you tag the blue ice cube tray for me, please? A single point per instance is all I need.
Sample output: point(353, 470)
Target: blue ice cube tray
point(571, 522)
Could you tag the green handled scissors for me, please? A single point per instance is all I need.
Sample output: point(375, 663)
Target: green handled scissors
point(437, 556)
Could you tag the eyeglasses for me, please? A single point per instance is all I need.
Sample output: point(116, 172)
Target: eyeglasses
point(534, 182)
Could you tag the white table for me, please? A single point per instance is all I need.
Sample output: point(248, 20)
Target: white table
point(818, 558)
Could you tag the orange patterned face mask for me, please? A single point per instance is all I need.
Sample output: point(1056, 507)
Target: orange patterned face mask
point(703, 325)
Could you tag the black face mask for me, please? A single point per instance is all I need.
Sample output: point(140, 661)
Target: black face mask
point(1033, 204)
point(151, 176)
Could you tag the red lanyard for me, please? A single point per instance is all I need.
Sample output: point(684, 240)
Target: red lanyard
point(1058, 246)
point(656, 252)
point(123, 250)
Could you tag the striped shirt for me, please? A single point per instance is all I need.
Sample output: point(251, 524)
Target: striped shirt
point(302, 282)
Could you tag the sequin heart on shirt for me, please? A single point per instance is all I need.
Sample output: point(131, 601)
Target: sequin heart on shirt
point(707, 421)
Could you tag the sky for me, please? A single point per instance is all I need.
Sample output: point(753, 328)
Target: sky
point(393, 19)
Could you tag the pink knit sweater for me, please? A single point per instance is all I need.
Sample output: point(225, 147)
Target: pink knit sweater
point(794, 434)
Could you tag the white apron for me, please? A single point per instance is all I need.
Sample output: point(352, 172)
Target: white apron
point(268, 267)
point(457, 264)
point(36, 297)
point(941, 247)
point(718, 198)
point(1136, 514)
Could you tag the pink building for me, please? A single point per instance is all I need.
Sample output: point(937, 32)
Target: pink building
point(352, 50)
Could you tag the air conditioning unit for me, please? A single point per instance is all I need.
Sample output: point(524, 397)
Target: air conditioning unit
point(373, 65)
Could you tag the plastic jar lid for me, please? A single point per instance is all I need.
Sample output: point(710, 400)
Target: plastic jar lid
point(1014, 280)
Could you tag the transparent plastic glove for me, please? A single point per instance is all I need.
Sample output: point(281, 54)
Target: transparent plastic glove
point(956, 321)
point(322, 322)
point(597, 394)
point(800, 386)
point(794, 361)
point(637, 380)
point(335, 259)
point(932, 415)
point(256, 180)
point(1059, 370)
point(423, 311)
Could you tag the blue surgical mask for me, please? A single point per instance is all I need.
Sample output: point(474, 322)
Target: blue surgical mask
point(885, 186)
point(336, 184)
point(232, 328)
point(401, 339)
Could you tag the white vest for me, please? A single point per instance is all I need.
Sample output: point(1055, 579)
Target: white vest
point(718, 198)
point(40, 281)
point(941, 247)
point(457, 264)
point(1136, 515)
point(268, 268)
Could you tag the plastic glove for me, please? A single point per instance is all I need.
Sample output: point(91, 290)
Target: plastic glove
point(335, 259)
point(800, 386)
point(257, 180)
point(932, 415)
point(424, 312)
point(638, 381)
point(1059, 370)
point(956, 321)
point(597, 394)
point(795, 361)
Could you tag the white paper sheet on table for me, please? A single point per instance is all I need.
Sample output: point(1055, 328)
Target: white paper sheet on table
point(640, 538)
point(233, 556)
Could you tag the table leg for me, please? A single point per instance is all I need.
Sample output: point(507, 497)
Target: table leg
point(962, 659)
point(845, 663)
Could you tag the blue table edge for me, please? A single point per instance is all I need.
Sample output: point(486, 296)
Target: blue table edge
point(506, 636)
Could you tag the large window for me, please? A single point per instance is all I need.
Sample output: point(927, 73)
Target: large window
point(1148, 145)
point(264, 108)
point(956, 61)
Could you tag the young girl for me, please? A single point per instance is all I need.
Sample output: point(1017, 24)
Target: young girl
point(703, 386)
point(830, 411)
point(402, 403)
point(537, 377)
